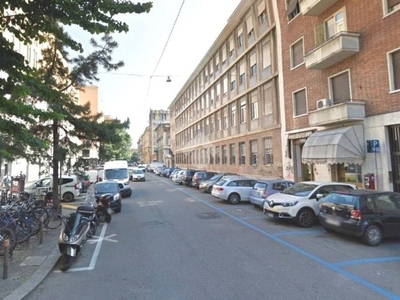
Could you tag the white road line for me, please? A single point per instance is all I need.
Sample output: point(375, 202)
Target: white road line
point(95, 253)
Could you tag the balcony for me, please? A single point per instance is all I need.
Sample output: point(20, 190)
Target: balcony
point(339, 47)
point(337, 113)
point(315, 7)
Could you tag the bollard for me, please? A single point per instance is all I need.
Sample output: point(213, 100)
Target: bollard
point(6, 259)
point(41, 230)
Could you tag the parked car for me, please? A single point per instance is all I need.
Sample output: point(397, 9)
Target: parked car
point(69, 187)
point(112, 187)
point(265, 188)
point(137, 174)
point(233, 188)
point(158, 170)
point(207, 185)
point(175, 171)
point(142, 167)
point(300, 202)
point(200, 176)
point(187, 177)
point(177, 177)
point(369, 214)
point(165, 172)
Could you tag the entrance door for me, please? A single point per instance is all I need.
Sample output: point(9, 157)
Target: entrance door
point(394, 141)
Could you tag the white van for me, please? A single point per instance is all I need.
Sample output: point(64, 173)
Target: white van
point(118, 170)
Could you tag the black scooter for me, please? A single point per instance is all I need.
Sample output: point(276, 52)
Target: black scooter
point(103, 209)
point(79, 226)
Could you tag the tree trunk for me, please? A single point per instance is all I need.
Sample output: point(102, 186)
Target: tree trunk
point(56, 141)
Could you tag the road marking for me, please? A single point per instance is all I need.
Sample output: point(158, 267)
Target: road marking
point(95, 253)
point(149, 203)
point(98, 239)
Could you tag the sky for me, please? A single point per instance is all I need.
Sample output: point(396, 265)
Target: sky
point(170, 40)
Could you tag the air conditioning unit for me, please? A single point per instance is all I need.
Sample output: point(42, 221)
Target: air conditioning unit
point(322, 103)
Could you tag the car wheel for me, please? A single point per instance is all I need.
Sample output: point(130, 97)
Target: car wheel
point(372, 235)
point(68, 197)
point(305, 217)
point(118, 210)
point(209, 190)
point(234, 198)
point(130, 193)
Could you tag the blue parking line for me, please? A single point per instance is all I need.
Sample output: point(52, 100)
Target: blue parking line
point(297, 232)
point(366, 261)
point(332, 266)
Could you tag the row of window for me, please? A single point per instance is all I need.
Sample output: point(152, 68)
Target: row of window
point(340, 86)
point(226, 154)
point(293, 7)
point(220, 89)
point(232, 48)
point(259, 102)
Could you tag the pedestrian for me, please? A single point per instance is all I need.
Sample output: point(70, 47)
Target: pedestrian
point(6, 181)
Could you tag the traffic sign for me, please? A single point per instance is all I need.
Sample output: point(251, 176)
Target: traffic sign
point(373, 146)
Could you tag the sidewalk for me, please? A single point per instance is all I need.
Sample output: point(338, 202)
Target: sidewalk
point(32, 262)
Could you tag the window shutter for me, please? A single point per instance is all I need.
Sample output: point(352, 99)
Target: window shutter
point(297, 54)
point(291, 6)
point(223, 50)
point(261, 7)
point(233, 75)
point(241, 68)
point(253, 60)
point(231, 45)
point(266, 54)
point(319, 34)
point(254, 147)
point(240, 31)
point(341, 88)
point(249, 24)
point(396, 70)
point(300, 103)
point(392, 3)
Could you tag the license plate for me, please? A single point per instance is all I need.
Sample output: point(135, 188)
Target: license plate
point(333, 222)
point(271, 215)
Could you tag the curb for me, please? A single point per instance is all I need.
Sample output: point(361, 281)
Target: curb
point(37, 278)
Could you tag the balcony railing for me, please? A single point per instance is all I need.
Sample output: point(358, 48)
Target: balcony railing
point(339, 47)
point(315, 7)
point(353, 110)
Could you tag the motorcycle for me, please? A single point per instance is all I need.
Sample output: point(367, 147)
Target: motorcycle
point(103, 209)
point(79, 226)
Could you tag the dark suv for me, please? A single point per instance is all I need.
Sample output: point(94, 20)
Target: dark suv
point(187, 177)
point(200, 176)
point(371, 215)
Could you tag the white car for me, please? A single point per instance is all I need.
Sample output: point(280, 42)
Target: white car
point(137, 174)
point(69, 187)
point(300, 202)
point(233, 188)
point(177, 177)
point(142, 167)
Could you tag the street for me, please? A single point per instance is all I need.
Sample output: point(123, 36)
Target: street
point(174, 242)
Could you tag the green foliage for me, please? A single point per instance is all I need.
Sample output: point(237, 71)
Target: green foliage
point(119, 149)
point(37, 106)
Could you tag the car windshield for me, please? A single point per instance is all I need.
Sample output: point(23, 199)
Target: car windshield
point(138, 171)
point(300, 189)
point(101, 188)
point(116, 173)
point(260, 186)
point(221, 182)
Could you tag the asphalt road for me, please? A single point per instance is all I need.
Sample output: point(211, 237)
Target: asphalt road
point(174, 242)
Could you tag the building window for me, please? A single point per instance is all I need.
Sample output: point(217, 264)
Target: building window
point(297, 53)
point(218, 91)
point(240, 38)
point(392, 5)
point(225, 86)
point(217, 156)
point(86, 153)
point(243, 112)
point(242, 73)
point(225, 122)
point(233, 115)
point(224, 155)
point(233, 79)
point(266, 54)
point(394, 70)
point(299, 103)
point(334, 25)
point(242, 153)
point(253, 64)
point(340, 87)
point(219, 122)
point(231, 48)
point(254, 152)
point(254, 106)
point(268, 157)
point(232, 158)
point(249, 27)
point(292, 9)
point(262, 13)
point(211, 156)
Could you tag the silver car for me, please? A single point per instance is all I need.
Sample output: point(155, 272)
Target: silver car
point(234, 189)
point(177, 177)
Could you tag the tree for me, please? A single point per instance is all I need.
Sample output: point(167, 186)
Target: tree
point(42, 21)
point(116, 151)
